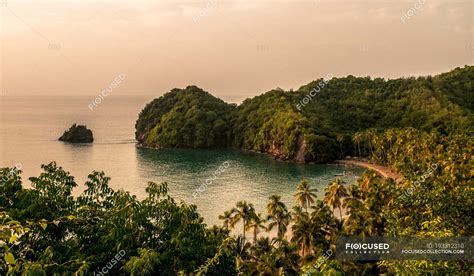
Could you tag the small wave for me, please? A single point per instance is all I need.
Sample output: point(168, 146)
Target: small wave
point(115, 142)
point(231, 177)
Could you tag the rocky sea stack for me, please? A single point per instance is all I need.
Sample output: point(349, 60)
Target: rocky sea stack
point(77, 134)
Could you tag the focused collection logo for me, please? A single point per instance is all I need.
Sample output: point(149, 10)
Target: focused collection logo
point(367, 248)
point(403, 248)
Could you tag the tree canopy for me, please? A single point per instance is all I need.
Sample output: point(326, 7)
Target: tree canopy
point(318, 131)
point(185, 118)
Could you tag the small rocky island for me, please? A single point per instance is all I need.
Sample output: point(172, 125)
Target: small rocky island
point(77, 134)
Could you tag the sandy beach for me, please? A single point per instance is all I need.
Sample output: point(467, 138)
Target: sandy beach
point(382, 170)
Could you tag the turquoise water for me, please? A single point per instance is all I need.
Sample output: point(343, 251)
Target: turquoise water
point(245, 176)
point(29, 128)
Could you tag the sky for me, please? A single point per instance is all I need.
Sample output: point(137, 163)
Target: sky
point(233, 49)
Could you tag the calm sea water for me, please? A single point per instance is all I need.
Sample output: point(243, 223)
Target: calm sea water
point(30, 127)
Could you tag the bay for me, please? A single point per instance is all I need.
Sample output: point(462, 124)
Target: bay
point(30, 127)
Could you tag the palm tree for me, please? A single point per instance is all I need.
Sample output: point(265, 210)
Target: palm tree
point(297, 212)
point(324, 225)
point(262, 246)
point(335, 192)
point(275, 204)
point(357, 138)
point(243, 212)
point(227, 217)
point(268, 264)
point(257, 223)
point(353, 200)
point(340, 139)
point(239, 247)
point(303, 233)
point(305, 195)
point(366, 181)
point(288, 256)
point(280, 258)
point(368, 135)
point(355, 223)
point(278, 214)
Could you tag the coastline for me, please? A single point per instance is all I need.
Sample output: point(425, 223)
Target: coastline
point(384, 171)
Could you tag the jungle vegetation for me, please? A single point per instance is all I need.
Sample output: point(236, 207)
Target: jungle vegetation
point(185, 118)
point(277, 123)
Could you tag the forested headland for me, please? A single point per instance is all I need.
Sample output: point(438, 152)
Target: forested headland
point(321, 121)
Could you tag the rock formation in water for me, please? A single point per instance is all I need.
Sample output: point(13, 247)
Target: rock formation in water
point(77, 134)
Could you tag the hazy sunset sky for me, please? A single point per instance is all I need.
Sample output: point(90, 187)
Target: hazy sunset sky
point(233, 49)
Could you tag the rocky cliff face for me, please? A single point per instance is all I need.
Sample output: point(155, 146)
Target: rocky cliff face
point(301, 150)
point(77, 134)
point(275, 151)
point(299, 156)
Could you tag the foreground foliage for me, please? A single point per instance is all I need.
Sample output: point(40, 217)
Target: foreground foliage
point(47, 230)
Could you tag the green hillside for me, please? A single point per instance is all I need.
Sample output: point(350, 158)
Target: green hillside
point(185, 118)
point(319, 128)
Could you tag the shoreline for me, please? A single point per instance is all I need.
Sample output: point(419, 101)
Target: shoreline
point(384, 171)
